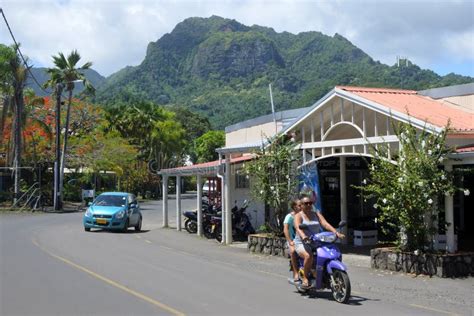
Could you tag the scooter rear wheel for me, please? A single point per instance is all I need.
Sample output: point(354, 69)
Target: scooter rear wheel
point(341, 288)
point(191, 226)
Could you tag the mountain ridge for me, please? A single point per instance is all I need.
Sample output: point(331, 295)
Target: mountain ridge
point(221, 68)
point(42, 76)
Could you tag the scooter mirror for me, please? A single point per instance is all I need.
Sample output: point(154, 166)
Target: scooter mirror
point(342, 224)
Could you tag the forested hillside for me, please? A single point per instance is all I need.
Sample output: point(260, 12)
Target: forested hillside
point(221, 68)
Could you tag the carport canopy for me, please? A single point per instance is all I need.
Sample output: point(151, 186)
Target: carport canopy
point(215, 168)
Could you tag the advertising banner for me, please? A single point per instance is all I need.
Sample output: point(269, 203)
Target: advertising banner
point(308, 184)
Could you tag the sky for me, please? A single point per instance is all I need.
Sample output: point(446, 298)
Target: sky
point(434, 34)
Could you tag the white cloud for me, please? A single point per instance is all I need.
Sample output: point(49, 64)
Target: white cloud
point(461, 45)
point(113, 34)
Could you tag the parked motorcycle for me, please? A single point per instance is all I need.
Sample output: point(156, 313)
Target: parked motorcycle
point(328, 271)
point(241, 225)
point(190, 223)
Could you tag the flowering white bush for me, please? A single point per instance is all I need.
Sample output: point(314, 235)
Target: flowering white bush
point(407, 189)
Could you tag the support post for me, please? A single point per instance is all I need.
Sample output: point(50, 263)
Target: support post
point(342, 109)
point(303, 140)
point(199, 205)
point(343, 194)
point(313, 153)
point(449, 216)
point(364, 128)
point(178, 203)
point(228, 206)
point(321, 117)
point(165, 201)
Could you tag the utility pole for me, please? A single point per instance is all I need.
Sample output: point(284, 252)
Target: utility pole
point(17, 139)
point(57, 165)
point(273, 108)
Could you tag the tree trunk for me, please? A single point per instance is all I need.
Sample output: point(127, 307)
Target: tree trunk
point(63, 153)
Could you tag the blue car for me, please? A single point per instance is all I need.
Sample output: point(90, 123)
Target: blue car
point(115, 211)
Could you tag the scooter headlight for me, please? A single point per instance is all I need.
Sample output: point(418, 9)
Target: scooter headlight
point(329, 238)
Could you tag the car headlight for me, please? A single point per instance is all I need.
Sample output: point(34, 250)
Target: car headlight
point(329, 238)
point(88, 212)
point(120, 214)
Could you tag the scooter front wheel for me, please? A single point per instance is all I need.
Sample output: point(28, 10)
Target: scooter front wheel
point(207, 230)
point(341, 286)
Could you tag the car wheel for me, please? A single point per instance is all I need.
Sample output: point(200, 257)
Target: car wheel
point(138, 226)
point(87, 229)
point(125, 227)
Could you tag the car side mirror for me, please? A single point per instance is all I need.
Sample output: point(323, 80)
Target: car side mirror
point(89, 203)
point(342, 224)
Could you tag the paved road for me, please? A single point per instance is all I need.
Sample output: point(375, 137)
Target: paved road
point(50, 266)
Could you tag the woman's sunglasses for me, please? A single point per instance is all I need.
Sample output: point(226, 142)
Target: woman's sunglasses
point(308, 203)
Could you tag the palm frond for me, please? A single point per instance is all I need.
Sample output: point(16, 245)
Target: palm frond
point(73, 58)
point(87, 65)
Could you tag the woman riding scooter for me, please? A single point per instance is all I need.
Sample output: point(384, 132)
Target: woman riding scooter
point(313, 221)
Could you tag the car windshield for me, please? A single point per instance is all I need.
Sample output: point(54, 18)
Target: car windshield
point(110, 200)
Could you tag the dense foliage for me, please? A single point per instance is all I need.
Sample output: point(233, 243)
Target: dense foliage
point(152, 129)
point(206, 145)
point(221, 69)
point(409, 192)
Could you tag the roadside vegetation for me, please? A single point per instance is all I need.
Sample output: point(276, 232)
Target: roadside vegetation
point(409, 191)
point(118, 147)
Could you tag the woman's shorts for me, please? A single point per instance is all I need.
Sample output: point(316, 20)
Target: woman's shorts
point(303, 248)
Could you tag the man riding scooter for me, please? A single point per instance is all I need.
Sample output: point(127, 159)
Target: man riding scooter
point(313, 221)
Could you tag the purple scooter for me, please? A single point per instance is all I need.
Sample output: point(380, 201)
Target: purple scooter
point(330, 272)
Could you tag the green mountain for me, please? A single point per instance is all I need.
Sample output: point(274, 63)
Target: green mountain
point(42, 76)
point(222, 69)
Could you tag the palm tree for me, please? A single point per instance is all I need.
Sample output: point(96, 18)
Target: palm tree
point(13, 81)
point(67, 74)
point(6, 83)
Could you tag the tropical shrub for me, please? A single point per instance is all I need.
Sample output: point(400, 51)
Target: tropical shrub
point(273, 178)
point(409, 190)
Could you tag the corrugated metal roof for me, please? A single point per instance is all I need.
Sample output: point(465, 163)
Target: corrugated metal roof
point(451, 91)
point(285, 116)
point(243, 148)
point(418, 106)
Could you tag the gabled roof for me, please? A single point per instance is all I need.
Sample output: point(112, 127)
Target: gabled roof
point(418, 106)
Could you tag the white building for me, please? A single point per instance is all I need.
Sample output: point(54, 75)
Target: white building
point(336, 133)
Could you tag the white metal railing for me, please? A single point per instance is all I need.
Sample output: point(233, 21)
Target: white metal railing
point(27, 195)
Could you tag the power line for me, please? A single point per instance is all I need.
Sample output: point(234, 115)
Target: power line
point(19, 51)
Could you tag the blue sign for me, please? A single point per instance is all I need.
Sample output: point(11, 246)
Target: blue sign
point(309, 184)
